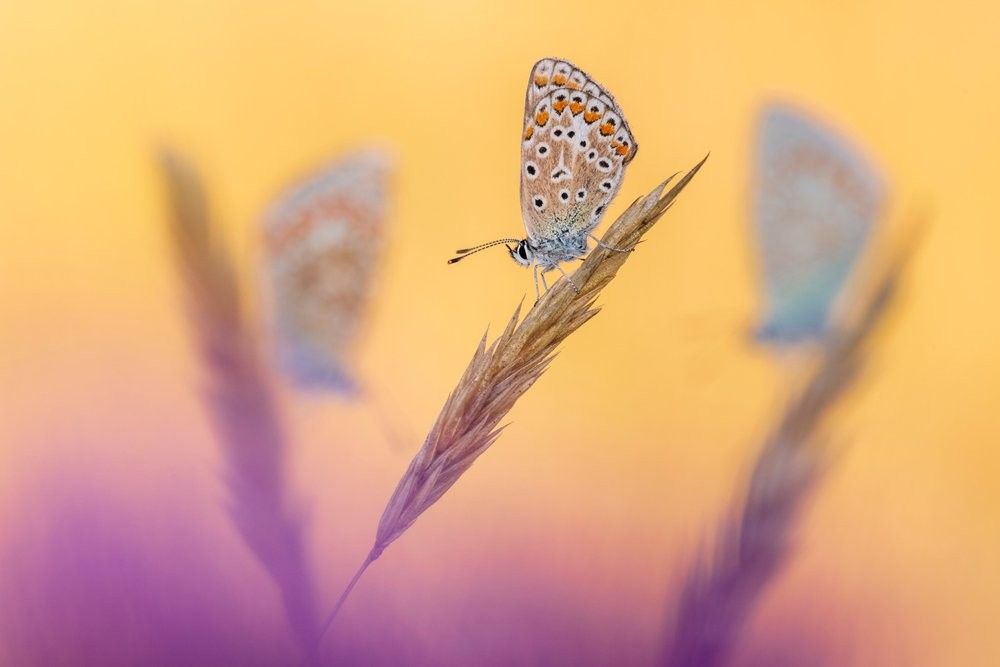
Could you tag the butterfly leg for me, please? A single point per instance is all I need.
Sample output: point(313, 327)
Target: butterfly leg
point(539, 271)
point(607, 247)
point(568, 279)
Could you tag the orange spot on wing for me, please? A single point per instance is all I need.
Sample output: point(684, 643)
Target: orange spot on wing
point(542, 118)
point(528, 131)
point(622, 149)
point(573, 85)
point(541, 80)
point(607, 129)
point(559, 105)
point(591, 116)
point(559, 79)
point(576, 108)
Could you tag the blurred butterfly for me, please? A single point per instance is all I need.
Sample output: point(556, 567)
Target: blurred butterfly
point(323, 240)
point(575, 146)
point(816, 200)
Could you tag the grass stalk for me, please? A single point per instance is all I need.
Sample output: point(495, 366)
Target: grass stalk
point(240, 399)
point(723, 588)
point(501, 372)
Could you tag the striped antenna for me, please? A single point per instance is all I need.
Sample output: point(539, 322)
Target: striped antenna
point(465, 252)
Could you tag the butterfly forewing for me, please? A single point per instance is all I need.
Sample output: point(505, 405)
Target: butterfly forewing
point(816, 202)
point(323, 243)
point(575, 146)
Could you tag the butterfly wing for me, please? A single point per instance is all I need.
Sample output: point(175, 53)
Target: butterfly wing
point(323, 240)
point(816, 202)
point(575, 146)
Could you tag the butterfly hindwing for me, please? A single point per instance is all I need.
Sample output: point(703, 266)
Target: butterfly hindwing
point(816, 202)
point(575, 146)
point(323, 243)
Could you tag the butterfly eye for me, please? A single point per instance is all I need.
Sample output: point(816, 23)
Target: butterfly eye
point(522, 251)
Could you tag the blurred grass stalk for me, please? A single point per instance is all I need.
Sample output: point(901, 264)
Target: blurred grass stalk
point(499, 374)
point(240, 399)
point(721, 590)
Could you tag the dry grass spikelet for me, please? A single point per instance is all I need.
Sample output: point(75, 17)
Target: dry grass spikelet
point(501, 372)
point(240, 399)
point(721, 589)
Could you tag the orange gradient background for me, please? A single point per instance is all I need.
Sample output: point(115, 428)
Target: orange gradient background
point(622, 457)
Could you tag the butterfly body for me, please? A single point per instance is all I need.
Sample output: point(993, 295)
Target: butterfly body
point(816, 202)
point(567, 241)
point(575, 145)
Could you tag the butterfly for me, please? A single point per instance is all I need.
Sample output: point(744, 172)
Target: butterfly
point(575, 146)
point(816, 201)
point(323, 240)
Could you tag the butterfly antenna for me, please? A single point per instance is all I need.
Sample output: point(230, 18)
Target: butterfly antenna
point(465, 252)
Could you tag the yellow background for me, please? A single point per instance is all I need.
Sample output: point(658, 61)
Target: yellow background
point(622, 456)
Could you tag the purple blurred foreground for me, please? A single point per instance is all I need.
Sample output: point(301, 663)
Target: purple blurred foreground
point(87, 580)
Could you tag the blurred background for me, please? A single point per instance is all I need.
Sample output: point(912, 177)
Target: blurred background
point(572, 529)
